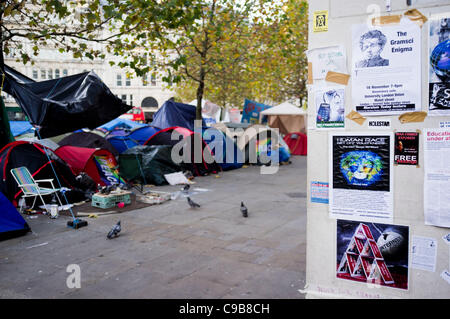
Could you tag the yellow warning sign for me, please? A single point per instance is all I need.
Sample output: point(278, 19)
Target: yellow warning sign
point(320, 21)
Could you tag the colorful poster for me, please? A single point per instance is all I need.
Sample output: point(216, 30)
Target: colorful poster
point(252, 110)
point(361, 182)
point(437, 177)
point(386, 68)
point(372, 253)
point(406, 148)
point(319, 192)
point(439, 65)
point(330, 107)
point(327, 59)
point(107, 169)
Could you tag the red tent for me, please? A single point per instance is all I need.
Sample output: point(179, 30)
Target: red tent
point(297, 143)
point(99, 164)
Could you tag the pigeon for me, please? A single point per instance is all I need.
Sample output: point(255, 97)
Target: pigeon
point(114, 232)
point(192, 203)
point(185, 189)
point(244, 210)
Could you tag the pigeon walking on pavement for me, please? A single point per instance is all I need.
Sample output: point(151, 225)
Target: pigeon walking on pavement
point(192, 203)
point(244, 210)
point(114, 232)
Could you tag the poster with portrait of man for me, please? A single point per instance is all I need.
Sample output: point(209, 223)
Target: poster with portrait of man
point(386, 68)
point(439, 65)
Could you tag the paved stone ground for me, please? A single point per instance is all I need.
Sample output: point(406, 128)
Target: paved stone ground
point(173, 251)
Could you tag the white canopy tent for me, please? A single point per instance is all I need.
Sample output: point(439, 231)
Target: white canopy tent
point(286, 117)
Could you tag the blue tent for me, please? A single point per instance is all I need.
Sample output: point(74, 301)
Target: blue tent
point(120, 123)
point(20, 127)
point(11, 223)
point(175, 114)
point(225, 151)
point(123, 139)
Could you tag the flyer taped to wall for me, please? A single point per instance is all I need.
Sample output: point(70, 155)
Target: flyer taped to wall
point(361, 179)
point(386, 73)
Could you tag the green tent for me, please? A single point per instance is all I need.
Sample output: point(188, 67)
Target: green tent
point(147, 164)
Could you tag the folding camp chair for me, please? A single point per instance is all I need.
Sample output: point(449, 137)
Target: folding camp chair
point(30, 187)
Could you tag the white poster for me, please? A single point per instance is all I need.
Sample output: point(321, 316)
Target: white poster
point(327, 59)
point(386, 68)
point(330, 106)
point(423, 253)
point(437, 177)
point(361, 178)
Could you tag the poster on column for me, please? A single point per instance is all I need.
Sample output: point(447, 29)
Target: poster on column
point(330, 107)
point(372, 253)
point(361, 181)
point(386, 73)
point(437, 177)
point(439, 66)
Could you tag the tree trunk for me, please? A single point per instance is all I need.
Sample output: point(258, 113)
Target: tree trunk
point(200, 90)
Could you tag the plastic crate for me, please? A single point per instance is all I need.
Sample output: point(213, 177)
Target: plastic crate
point(111, 200)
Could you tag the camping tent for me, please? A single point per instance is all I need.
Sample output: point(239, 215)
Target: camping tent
point(11, 223)
point(32, 156)
point(99, 164)
point(123, 139)
point(88, 140)
point(119, 123)
point(198, 157)
point(286, 117)
point(147, 164)
point(225, 151)
point(257, 140)
point(65, 104)
point(173, 114)
point(297, 143)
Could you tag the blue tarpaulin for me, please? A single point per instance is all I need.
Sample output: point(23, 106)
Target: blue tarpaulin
point(175, 114)
point(20, 127)
point(119, 123)
point(123, 139)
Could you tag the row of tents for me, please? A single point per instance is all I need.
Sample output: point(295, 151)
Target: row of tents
point(120, 150)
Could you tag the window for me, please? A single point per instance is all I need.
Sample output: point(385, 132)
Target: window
point(43, 75)
point(124, 98)
point(35, 74)
point(50, 74)
point(119, 80)
point(153, 80)
point(57, 73)
point(65, 73)
point(127, 81)
point(131, 99)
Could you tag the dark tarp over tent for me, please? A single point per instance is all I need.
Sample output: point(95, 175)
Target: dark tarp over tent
point(32, 156)
point(11, 223)
point(123, 139)
point(88, 140)
point(147, 164)
point(65, 104)
point(175, 114)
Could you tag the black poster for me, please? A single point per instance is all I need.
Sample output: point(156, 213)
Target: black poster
point(361, 162)
point(406, 148)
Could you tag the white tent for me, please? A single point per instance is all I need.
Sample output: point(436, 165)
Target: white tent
point(286, 117)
